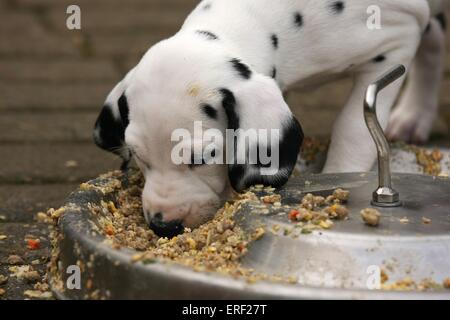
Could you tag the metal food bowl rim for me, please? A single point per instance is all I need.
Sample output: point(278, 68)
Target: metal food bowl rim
point(263, 289)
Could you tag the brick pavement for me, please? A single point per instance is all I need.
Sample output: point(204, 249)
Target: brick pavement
point(52, 85)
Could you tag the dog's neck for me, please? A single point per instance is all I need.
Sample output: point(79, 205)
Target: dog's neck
point(260, 61)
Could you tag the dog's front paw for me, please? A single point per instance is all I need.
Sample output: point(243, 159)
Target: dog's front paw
point(410, 126)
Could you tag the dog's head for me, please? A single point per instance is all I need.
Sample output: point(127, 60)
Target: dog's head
point(176, 112)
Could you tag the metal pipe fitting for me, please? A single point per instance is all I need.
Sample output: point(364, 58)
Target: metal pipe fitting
point(384, 195)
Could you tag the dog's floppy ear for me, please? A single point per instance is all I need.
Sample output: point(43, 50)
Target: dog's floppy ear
point(109, 131)
point(257, 105)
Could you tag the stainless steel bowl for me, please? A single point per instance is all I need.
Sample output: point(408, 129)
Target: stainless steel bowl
point(329, 264)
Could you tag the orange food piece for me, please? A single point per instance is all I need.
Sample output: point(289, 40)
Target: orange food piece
point(33, 244)
point(293, 215)
point(436, 155)
point(109, 230)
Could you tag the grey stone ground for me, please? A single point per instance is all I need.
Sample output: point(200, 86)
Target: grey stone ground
point(52, 85)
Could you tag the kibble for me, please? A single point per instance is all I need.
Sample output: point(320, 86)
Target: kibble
point(216, 246)
point(371, 217)
point(14, 260)
point(446, 283)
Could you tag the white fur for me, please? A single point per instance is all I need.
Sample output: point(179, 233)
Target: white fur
point(412, 119)
point(178, 74)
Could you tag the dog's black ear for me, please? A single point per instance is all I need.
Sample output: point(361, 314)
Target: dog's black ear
point(109, 131)
point(256, 108)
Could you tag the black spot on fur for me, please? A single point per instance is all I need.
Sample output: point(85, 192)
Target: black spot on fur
point(442, 19)
point(243, 70)
point(298, 19)
point(124, 110)
point(337, 7)
point(292, 139)
point(209, 111)
point(274, 72)
point(289, 147)
point(236, 174)
point(379, 58)
point(207, 6)
point(229, 104)
point(275, 41)
point(109, 131)
point(208, 34)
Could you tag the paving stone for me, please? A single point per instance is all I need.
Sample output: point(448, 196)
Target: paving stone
point(129, 20)
point(20, 203)
point(14, 288)
point(36, 43)
point(316, 122)
point(330, 96)
point(15, 245)
point(18, 22)
point(38, 127)
point(123, 45)
point(447, 64)
point(34, 163)
point(59, 71)
point(113, 5)
point(54, 97)
point(130, 61)
point(109, 4)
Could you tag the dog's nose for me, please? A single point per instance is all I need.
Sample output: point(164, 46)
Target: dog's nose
point(165, 229)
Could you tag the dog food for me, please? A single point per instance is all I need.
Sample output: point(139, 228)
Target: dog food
point(33, 244)
point(408, 284)
point(25, 273)
point(37, 294)
point(371, 217)
point(317, 212)
point(216, 246)
point(14, 260)
point(429, 161)
point(219, 245)
point(426, 220)
point(340, 195)
point(312, 147)
point(446, 283)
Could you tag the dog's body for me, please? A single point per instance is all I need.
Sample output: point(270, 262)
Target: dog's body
point(310, 41)
point(304, 39)
point(226, 52)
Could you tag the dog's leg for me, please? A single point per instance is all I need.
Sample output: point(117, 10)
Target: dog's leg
point(413, 118)
point(352, 148)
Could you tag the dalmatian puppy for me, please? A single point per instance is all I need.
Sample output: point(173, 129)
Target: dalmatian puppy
point(227, 68)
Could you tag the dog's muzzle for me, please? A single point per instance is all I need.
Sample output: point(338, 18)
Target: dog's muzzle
point(165, 229)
